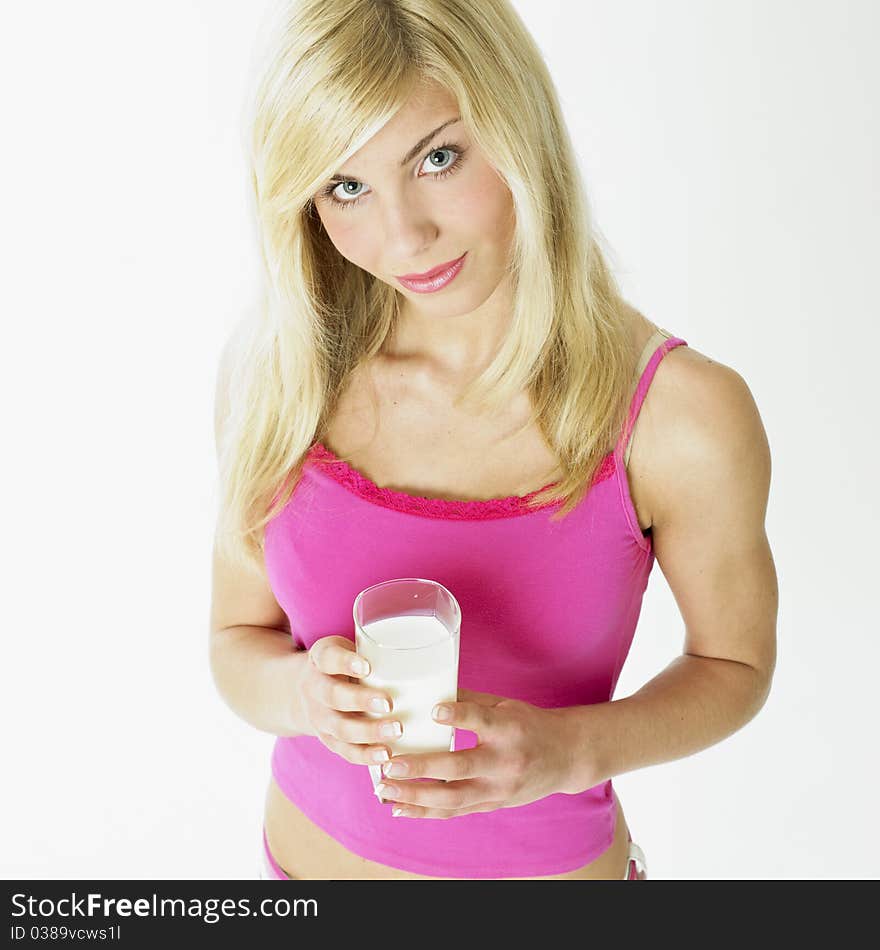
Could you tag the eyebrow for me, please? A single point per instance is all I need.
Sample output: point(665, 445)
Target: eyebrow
point(411, 154)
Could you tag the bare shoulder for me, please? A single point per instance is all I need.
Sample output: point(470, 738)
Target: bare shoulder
point(705, 404)
point(700, 415)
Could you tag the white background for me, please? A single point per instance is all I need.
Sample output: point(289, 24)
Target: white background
point(730, 154)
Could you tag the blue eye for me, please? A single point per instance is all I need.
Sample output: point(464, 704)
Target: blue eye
point(330, 191)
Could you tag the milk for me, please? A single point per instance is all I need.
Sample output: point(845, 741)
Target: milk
point(414, 659)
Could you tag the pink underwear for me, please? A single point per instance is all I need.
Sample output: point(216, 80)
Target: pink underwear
point(636, 870)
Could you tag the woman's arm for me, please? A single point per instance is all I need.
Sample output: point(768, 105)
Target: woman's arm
point(253, 661)
point(710, 479)
point(256, 671)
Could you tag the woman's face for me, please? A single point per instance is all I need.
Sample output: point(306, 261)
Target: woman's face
point(393, 219)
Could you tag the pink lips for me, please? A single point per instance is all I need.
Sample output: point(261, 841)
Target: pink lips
point(433, 279)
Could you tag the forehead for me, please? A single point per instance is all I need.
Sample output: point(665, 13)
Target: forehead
point(427, 107)
point(427, 97)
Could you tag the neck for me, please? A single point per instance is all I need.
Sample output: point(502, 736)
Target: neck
point(456, 346)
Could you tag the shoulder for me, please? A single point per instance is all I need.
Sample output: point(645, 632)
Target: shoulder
point(703, 433)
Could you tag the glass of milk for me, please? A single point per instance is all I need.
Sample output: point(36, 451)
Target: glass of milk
point(408, 630)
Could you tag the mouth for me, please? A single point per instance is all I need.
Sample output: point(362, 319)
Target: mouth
point(435, 278)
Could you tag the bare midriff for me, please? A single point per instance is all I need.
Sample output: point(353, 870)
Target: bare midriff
point(306, 852)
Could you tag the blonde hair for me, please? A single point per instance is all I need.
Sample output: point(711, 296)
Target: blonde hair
point(335, 73)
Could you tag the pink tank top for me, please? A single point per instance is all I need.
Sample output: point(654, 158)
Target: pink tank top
point(548, 615)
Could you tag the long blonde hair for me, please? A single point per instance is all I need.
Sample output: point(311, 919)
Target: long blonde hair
point(336, 71)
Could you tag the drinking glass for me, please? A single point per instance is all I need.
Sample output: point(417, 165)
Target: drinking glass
point(408, 630)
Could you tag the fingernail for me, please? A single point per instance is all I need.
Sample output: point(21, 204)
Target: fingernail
point(395, 769)
point(386, 791)
point(360, 667)
point(442, 713)
point(391, 729)
point(380, 705)
point(380, 755)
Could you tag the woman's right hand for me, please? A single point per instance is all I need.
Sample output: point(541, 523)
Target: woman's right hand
point(334, 706)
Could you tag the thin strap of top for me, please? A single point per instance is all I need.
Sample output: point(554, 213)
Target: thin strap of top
point(660, 342)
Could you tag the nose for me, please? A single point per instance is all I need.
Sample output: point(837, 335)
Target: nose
point(409, 234)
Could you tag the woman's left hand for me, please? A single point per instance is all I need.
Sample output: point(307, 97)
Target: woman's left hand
point(524, 753)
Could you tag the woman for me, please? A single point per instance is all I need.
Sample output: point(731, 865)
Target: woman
point(509, 427)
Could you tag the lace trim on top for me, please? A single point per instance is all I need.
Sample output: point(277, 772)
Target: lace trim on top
point(453, 509)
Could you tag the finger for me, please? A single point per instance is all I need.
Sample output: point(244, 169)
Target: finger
point(473, 716)
point(345, 696)
point(354, 727)
point(447, 796)
point(356, 754)
point(415, 811)
point(449, 766)
point(336, 655)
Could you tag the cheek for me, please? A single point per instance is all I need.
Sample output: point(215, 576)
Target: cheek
point(351, 242)
point(489, 206)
